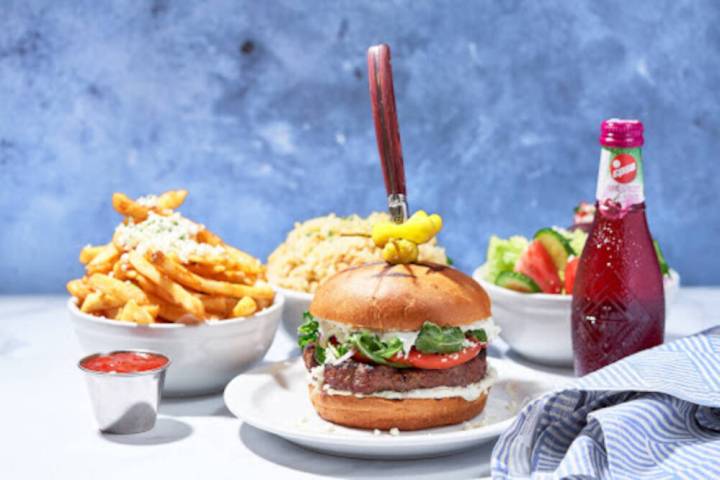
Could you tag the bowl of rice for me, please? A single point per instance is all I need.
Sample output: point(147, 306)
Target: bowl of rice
point(317, 249)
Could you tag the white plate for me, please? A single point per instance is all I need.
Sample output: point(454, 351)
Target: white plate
point(274, 398)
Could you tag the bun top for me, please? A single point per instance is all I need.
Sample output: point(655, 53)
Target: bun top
point(383, 297)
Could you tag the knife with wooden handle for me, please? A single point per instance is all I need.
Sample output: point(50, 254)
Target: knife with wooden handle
point(387, 131)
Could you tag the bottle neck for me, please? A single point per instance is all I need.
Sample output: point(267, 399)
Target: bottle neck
point(620, 178)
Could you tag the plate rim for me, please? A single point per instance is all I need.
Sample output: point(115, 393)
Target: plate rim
point(415, 437)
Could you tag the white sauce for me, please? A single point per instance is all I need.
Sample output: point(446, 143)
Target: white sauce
point(469, 392)
point(330, 356)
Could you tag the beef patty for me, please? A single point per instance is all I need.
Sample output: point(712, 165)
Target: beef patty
point(358, 377)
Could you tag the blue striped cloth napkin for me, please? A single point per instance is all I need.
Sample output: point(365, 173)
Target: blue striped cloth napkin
point(653, 415)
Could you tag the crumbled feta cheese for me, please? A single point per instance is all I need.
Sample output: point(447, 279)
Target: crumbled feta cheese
point(377, 432)
point(483, 422)
point(148, 201)
point(394, 431)
point(171, 234)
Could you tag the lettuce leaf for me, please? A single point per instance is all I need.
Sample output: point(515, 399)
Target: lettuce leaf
point(435, 339)
point(479, 334)
point(372, 348)
point(577, 239)
point(308, 331)
point(502, 255)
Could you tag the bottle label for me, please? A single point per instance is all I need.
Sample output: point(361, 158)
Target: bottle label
point(620, 178)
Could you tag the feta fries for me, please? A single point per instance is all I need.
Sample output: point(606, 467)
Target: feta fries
point(162, 267)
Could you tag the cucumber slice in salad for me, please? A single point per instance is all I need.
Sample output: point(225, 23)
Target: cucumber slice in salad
point(517, 281)
point(556, 245)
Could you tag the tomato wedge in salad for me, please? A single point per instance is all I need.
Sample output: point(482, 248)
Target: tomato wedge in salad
point(570, 273)
point(536, 263)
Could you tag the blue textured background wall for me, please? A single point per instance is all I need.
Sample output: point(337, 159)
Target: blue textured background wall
point(261, 110)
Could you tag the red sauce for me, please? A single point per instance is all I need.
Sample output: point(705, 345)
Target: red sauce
point(125, 362)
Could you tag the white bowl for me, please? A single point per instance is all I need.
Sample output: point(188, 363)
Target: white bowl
point(204, 357)
point(296, 303)
point(537, 325)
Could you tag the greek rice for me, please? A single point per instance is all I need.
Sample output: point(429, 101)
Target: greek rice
point(320, 247)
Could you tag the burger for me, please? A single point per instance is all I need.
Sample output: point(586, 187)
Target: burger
point(398, 346)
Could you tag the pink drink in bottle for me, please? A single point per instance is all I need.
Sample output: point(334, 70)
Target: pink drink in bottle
point(618, 300)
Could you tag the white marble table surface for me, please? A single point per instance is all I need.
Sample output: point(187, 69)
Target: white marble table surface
point(48, 431)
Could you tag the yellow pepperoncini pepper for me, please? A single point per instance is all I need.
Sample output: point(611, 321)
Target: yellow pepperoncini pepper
point(400, 251)
point(400, 241)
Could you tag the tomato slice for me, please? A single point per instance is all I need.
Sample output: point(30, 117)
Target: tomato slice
point(359, 357)
point(439, 361)
point(570, 272)
point(536, 263)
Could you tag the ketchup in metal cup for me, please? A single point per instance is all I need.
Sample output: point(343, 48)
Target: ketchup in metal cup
point(618, 303)
point(125, 362)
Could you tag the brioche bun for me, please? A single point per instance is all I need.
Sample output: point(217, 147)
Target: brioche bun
point(379, 296)
point(407, 414)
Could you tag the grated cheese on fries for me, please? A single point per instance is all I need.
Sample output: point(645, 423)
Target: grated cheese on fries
point(171, 234)
point(163, 267)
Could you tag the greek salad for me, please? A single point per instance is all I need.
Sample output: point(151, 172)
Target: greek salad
point(547, 262)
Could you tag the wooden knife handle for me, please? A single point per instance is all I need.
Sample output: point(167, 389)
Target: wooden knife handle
point(387, 132)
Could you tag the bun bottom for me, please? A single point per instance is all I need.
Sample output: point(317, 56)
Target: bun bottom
point(407, 414)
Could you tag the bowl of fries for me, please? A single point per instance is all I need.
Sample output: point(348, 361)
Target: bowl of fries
point(165, 283)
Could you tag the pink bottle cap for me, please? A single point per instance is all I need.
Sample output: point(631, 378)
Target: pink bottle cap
point(619, 133)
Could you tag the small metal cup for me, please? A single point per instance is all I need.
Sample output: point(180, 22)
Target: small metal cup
point(125, 402)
